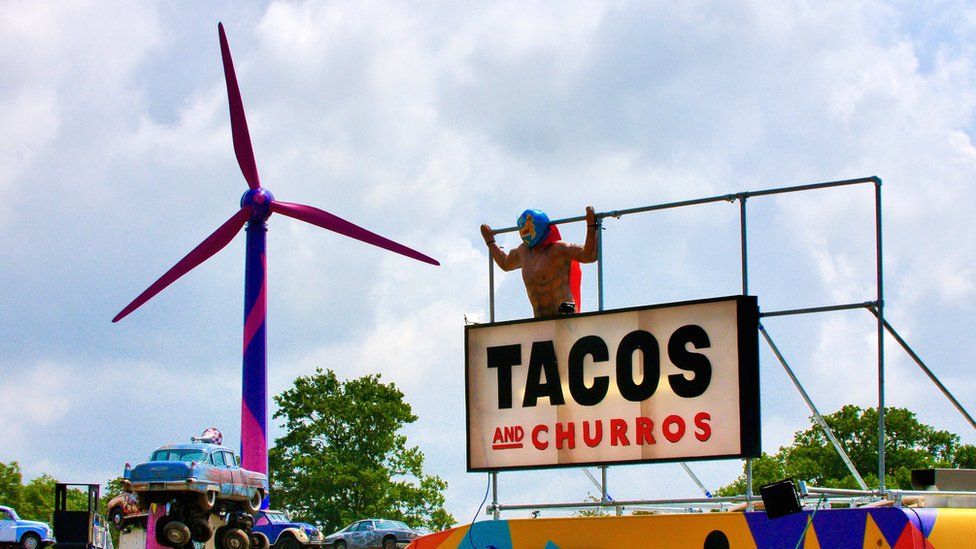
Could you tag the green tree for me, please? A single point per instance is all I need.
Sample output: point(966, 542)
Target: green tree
point(11, 480)
point(37, 499)
point(34, 500)
point(342, 457)
point(909, 444)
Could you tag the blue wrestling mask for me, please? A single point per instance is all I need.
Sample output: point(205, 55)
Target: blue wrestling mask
point(533, 227)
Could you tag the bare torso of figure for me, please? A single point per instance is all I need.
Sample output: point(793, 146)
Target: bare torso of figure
point(545, 272)
point(545, 267)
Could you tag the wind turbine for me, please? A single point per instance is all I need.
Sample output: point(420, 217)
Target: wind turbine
point(257, 205)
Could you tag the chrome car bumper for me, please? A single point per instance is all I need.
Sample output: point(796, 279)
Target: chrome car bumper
point(173, 486)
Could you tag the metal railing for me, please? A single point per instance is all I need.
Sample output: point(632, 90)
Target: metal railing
point(875, 306)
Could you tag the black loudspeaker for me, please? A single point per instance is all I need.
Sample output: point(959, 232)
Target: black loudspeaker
point(780, 498)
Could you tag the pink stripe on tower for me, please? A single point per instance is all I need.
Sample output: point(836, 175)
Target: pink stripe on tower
point(254, 439)
point(258, 313)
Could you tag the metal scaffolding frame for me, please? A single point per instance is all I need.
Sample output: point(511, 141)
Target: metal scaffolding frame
point(875, 306)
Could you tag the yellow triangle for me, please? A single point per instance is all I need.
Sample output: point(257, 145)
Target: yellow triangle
point(873, 538)
point(810, 540)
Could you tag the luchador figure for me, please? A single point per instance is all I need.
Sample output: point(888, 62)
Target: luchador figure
point(550, 267)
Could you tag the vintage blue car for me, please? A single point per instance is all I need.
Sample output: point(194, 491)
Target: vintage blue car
point(275, 529)
point(198, 474)
point(27, 534)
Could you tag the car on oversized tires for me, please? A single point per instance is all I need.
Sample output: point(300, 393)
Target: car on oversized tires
point(199, 475)
point(26, 534)
point(180, 528)
point(276, 530)
point(372, 534)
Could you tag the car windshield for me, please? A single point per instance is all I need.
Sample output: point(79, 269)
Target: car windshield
point(178, 454)
point(277, 517)
point(391, 525)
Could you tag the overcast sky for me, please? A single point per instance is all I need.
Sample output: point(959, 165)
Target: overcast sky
point(423, 120)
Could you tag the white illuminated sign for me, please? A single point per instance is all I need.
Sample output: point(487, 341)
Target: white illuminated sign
point(658, 383)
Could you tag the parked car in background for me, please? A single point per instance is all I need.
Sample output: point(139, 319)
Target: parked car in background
point(200, 474)
point(275, 529)
point(372, 534)
point(26, 534)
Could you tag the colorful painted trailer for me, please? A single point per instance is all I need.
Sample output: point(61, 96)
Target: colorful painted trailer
point(875, 528)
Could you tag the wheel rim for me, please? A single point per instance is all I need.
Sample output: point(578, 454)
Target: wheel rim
point(234, 542)
point(175, 536)
point(30, 542)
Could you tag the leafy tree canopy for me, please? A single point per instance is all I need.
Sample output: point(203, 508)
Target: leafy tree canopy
point(35, 499)
point(343, 458)
point(811, 457)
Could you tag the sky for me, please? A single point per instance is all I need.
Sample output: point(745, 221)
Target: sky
point(420, 121)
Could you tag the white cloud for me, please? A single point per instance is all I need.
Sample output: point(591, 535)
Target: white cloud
point(32, 124)
point(31, 403)
point(421, 123)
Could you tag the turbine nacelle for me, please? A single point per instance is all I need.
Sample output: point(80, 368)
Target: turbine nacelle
point(259, 200)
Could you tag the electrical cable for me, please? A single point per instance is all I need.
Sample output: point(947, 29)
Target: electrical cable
point(803, 535)
point(478, 512)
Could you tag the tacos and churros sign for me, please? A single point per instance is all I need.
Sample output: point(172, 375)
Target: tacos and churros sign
point(659, 383)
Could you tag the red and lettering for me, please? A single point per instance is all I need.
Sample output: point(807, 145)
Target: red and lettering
point(641, 430)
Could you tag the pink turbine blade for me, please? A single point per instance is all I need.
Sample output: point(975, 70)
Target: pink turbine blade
point(326, 220)
point(213, 244)
point(238, 123)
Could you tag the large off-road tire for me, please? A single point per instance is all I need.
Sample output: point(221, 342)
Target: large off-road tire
point(218, 537)
point(117, 517)
point(200, 529)
point(253, 504)
point(389, 543)
point(207, 501)
point(173, 533)
point(235, 538)
point(258, 541)
point(160, 524)
point(30, 541)
point(287, 542)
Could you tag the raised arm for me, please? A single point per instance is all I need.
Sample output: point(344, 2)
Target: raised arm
point(587, 252)
point(508, 262)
